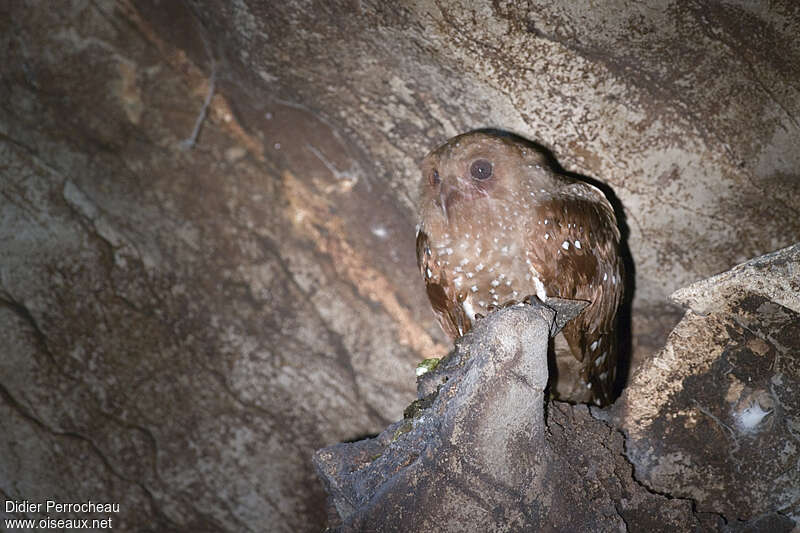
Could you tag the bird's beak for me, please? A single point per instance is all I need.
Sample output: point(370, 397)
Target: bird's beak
point(447, 196)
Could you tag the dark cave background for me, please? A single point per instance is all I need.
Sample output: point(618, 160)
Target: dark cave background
point(182, 328)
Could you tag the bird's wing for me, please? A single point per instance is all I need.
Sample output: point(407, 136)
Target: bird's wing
point(441, 293)
point(577, 256)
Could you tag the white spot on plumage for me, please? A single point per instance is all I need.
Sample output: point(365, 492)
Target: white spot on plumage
point(495, 283)
point(482, 303)
point(448, 251)
point(463, 262)
point(466, 305)
point(599, 361)
point(479, 267)
point(540, 292)
point(605, 276)
point(545, 222)
point(578, 245)
point(474, 288)
point(546, 236)
point(593, 346)
point(428, 273)
point(565, 245)
point(470, 275)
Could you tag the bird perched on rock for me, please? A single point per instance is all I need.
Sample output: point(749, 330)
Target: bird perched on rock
point(498, 223)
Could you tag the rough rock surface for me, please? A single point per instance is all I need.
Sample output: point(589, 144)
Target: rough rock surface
point(715, 416)
point(711, 429)
point(690, 111)
point(479, 456)
point(183, 323)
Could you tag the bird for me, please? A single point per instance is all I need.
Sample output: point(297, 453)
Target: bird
point(499, 223)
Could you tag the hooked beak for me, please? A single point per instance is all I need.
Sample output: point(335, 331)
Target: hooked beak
point(443, 202)
point(447, 196)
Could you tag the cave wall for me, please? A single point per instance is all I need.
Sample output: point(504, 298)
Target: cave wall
point(183, 323)
point(689, 112)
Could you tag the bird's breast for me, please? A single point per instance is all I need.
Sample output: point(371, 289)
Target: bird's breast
point(484, 270)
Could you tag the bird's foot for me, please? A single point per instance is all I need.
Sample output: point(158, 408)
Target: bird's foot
point(491, 308)
point(532, 299)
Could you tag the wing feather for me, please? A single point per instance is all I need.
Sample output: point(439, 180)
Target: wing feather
point(441, 293)
point(580, 259)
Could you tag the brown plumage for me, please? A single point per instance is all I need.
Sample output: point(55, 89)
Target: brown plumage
point(498, 224)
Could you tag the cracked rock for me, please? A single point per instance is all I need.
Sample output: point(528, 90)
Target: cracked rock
point(479, 454)
point(715, 416)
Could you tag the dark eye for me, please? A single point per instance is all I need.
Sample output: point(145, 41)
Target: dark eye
point(481, 169)
point(434, 178)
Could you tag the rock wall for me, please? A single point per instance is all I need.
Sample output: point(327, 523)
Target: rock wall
point(709, 431)
point(715, 415)
point(206, 223)
point(477, 453)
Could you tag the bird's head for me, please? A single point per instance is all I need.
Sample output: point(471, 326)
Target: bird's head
point(479, 174)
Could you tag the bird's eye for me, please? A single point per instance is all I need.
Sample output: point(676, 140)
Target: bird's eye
point(434, 178)
point(481, 169)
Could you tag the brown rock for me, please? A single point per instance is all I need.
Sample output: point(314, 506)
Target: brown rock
point(480, 457)
point(715, 416)
point(182, 328)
